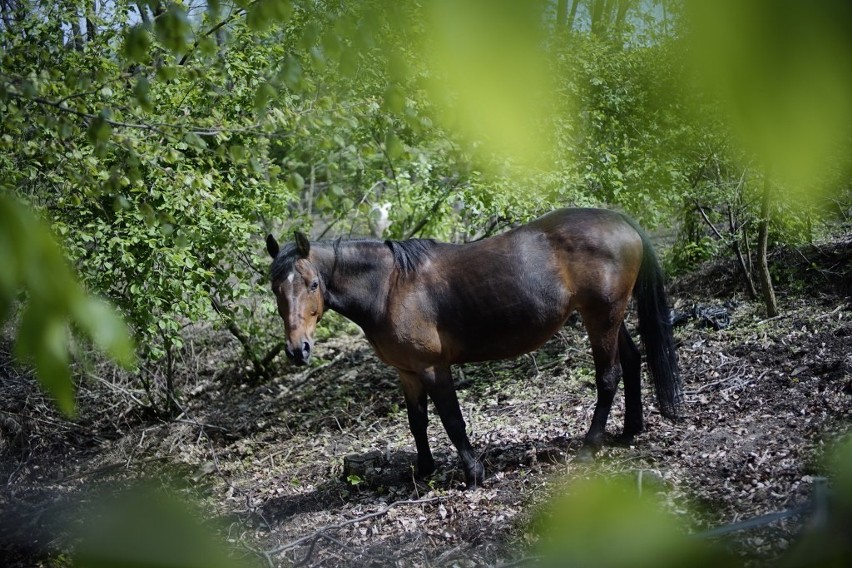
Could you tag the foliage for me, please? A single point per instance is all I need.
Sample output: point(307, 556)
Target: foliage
point(148, 527)
point(580, 527)
point(591, 516)
point(686, 256)
point(34, 270)
point(154, 174)
point(162, 140)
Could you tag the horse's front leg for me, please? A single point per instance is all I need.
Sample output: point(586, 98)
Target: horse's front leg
point(418, 420)
point(439, 384)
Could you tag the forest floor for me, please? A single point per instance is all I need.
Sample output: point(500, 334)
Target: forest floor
point(764, 399)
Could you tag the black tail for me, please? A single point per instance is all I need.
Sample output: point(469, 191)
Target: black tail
point(656, 329)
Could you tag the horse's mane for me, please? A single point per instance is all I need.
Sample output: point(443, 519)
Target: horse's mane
point(410, 254)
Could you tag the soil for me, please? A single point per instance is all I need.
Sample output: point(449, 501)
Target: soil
point(764, 399)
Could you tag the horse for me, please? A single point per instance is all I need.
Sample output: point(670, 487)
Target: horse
point(425, 305)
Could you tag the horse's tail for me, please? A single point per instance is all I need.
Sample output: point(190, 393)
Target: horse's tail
point(656, 329)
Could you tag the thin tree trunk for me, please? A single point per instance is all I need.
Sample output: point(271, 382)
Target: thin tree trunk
point(561, 13)
point(572, 15)
point(744, 268)
point(733, 242)
point(762, 253)
point(91, 28)
point(747, 246)
point(621, 16)
point(143, 13)
point(76, 34)
point(5, 13)
point(597, 16)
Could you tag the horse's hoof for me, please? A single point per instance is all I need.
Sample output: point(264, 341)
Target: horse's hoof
point(585, 455)
point(625, 439)
point(425, 468)
point(474, 476)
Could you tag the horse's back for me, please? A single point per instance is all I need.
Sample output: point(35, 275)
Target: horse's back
point(507, 294)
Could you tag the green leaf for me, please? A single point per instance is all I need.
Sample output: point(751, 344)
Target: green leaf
point(195, 141)
point(43, 342)
point(137, 44)
point(167, 72)
point(237, 152)
point(264, 93)
point(263, 13)
point(393, 146)
point(102, 324)
point(140, 91)
point(296, 182)
point(99, 131)
point(290, 73)
point(172, 28)
point(394, 100)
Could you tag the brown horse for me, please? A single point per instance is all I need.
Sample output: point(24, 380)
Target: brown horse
point(425, 305)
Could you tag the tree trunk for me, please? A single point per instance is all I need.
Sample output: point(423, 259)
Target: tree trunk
point(91, 27)
point(561, 13)
point(744, 267)
point(143, 13)
point(569, 24)
point(763, 241)
point(76, 34)
point(597, 16)
point(621, 16)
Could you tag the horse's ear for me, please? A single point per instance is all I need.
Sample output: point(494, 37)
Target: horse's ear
point(272, 246)
point(303, 245)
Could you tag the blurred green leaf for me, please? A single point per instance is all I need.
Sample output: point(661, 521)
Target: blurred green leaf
point(290, 72)
point(99, 130)
point(173, 29)
point(140, 91)
point(393, 146)
point(148, 528)
point(264, 93)
point(137, 44)
point(263, 13)
point(296, 181)
point(107, 330)
point(54, 299)
point(42, 341)
point(782, 71)
point(605, 523)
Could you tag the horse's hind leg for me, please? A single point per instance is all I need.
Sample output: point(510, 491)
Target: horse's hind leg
point(439, 384)
point(603, 329)
point(418, 420)
point(631, 363)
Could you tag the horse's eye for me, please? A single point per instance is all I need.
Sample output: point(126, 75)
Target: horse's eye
point(314, 285)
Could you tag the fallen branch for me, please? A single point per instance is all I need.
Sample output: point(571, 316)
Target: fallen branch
point(302, 378)
point(320, 533)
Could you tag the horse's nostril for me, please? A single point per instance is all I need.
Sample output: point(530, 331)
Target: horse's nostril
point(306, 348)
point(289, 353)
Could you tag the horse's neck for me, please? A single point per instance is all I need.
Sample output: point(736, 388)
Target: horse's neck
point(356, 276)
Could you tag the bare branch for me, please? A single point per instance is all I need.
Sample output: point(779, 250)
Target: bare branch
point(320, 533)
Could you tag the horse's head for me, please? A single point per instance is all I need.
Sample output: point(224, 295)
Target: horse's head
point(297, 288)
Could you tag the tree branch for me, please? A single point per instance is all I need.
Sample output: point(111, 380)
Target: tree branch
point(158, 127)
point(233, 16)
point(708, 221)
point(316, 535)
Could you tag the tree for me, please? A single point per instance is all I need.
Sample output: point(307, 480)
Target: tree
point(762, 252)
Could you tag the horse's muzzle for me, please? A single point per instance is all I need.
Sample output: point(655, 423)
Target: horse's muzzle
point(299, 356)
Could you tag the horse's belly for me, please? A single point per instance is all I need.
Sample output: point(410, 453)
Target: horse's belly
point(503, 343)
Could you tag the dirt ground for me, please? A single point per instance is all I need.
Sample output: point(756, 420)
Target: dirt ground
point(764, 398)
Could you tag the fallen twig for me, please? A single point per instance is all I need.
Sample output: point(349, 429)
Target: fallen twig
point(320, 533)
